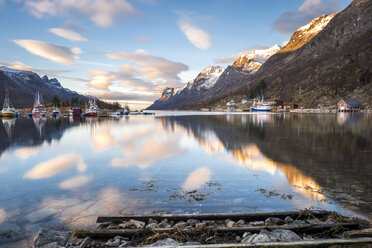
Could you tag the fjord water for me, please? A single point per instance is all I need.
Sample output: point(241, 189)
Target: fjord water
point(65, 172)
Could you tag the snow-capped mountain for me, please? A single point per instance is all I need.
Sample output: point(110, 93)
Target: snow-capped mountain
point(259, 55)
point(207, 78)
point(329, 53)
point(167, 93)
point(23, 85)
point(305, 33)
point(193, 91)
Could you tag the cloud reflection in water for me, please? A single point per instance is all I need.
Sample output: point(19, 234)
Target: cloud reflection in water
point(55, 166)
point(197, 179)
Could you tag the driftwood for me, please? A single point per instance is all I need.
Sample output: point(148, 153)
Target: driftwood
point(231, 216)
point(308, 228)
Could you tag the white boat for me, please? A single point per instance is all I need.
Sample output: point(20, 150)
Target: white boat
point(261, 106)
point(92, 110)
point(118, 112)
point(56, 111)
point(126, 110)
point(38, 109)
point(8, 109)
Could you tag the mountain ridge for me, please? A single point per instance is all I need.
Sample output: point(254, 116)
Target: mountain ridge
point(333, 64)
point(23, 85)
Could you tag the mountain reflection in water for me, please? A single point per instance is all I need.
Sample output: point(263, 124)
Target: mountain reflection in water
point(68, 171)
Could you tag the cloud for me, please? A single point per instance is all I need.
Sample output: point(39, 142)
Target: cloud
point(25, 153)
point(121, 96)
point(150, 152)
point(290, 21)
point(101, 12)
point(152, 67)
point(103, 140)
point(198, 37)
point(55, 166)
point(75, 182)
point(18, 65)
point(101, 79)
point(3, 214)
point(59, 54)
point(197, 179)
point(67, 34)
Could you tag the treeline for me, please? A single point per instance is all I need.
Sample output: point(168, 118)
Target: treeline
point(76, 101)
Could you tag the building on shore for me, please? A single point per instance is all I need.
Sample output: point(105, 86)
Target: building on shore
point(346, 105)
point(290, 106)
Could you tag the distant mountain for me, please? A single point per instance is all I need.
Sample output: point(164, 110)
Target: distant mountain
point(195, 90)
point(215, 79)
point(23, 85)
point(241, 70)
point(326, 60)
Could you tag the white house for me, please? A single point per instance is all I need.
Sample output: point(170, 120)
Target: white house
point(230, 103)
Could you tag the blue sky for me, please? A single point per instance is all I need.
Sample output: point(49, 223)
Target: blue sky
point(129, 50)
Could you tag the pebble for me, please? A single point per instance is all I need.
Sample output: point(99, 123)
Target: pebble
point(193, 222)
point(246, 234)
point(238, 238)
point(201, 225)
point(152, 221)
point(288, 220)
point(47, 236)
point(240, 223)
point(152, 226)
point(181, 225)
point(137, 224)
point(165, 242)
point(230, 223)
point(257, 223)
point(271, 221)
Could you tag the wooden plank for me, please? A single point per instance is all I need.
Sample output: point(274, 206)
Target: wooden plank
point(308, 228)
point(231, 216)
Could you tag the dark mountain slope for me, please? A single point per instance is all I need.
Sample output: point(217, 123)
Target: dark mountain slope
point(336, 63)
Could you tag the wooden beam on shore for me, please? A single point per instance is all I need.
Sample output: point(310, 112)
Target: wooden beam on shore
point(306, 228)
point(224, 216)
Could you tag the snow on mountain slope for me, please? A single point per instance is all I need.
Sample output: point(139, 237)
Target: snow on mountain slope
point(17, 76)
point(259, 56)
point(305, 33)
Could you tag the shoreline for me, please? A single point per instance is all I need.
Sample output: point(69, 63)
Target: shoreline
point(288, 229)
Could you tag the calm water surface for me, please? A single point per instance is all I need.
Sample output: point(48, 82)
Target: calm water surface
point(64, 172)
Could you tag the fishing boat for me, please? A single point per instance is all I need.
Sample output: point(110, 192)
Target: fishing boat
point(92, 110)
point(126, 110)
point(75, 111)
point(38, 109)
point(56, 111)
point(8, 109)
point(118, 112)
point(261, 106)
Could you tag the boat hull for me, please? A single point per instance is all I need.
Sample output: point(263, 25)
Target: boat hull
point(8, 114)
point(91, 114)
point(260, 110)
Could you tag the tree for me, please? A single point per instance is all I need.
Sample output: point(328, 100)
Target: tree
point(74, 101)
point(56, 101)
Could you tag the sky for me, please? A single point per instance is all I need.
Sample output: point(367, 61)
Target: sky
point(130, 50)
